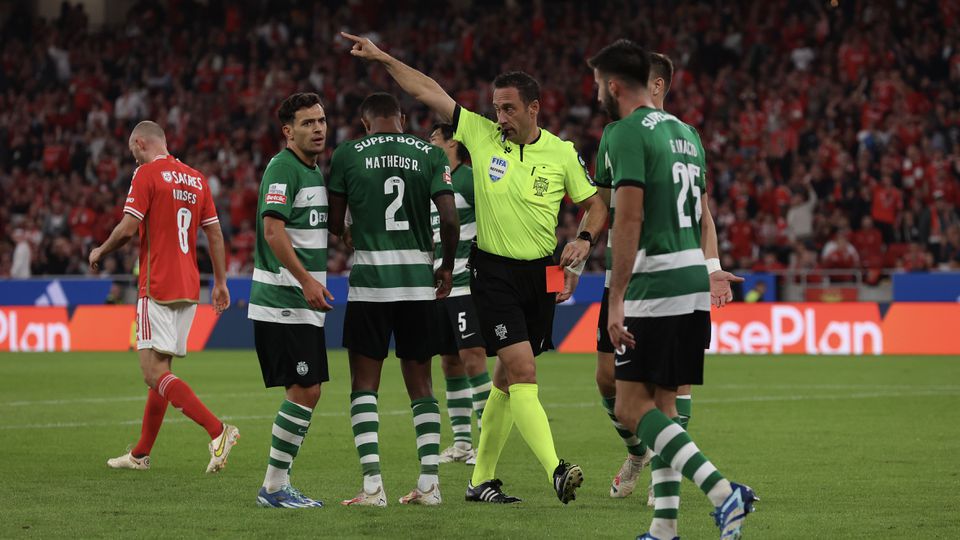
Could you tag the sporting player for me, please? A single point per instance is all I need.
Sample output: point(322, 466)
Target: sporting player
point(521, 173)
point(638, 455)
point(659, 282)
point(288, 298)
point(462, 350)
point(168, 201)
point(388, 180)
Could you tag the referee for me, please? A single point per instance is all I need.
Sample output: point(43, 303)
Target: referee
point(520, 175)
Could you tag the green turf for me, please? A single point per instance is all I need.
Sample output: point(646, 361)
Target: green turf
point(834, 447)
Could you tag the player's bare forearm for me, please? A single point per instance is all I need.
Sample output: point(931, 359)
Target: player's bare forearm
point(708, 233)
point(338, 212)
point(594, 215)
point(217, 252)
point(626, 237)
point(413, 82)
point(605, 195)
point(121, 234)
point(275, 233)
point(449, 228)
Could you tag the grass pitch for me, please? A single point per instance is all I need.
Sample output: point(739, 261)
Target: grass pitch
point(834, 447)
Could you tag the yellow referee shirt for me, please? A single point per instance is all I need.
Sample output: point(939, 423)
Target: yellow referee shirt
point(518, 188)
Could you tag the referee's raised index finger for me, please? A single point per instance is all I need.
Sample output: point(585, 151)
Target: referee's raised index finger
point(351, 37)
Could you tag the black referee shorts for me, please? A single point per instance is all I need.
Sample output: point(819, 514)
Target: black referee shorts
point(512, 301)
point(668, 352)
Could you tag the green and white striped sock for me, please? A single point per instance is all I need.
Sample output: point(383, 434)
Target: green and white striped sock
point(458, 407)
point(675, 447)
point(426, 423)
point(366, 424)
point(684, 410)
point(289, 428)
point(635, 446)
point(480, 386)
point(666, 492)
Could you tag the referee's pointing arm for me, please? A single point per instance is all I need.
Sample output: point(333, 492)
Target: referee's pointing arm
point(413, 82)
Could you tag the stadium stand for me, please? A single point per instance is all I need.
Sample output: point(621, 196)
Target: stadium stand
point(833, 132)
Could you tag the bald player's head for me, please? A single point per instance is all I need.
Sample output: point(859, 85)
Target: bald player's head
point(147, 141)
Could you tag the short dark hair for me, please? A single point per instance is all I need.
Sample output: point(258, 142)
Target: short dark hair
point(302, 100)
point(527, 86)
point(662, 66)
point(446, 131)
point(380, 105)
point(624, 59)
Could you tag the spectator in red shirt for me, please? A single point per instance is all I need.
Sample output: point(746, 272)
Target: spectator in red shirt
point(887, 203)
point(869, 243)
point(741, 236)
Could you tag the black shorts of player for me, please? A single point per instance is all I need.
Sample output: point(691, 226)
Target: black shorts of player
point(367, 327)
point(512, 301)
point(458, 327)
point(604, 344)
point(669, 350)
point(291, 354)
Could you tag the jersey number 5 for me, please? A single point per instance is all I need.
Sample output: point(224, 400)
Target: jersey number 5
point(686, 174)
point(183, 229)
point(390, 216)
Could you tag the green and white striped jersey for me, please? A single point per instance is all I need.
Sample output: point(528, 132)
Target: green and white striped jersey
point(656, 151)
point(389, 180)
point(602, 180)
point(463, 194)
point(292, 191)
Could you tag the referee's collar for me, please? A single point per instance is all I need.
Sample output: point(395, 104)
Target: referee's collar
point(539, 136)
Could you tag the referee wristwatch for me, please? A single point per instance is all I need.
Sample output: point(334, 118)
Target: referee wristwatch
point(585, 235)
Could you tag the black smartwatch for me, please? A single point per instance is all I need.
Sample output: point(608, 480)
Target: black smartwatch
point(585, 235)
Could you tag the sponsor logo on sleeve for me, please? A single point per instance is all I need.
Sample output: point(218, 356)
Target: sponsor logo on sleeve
point(447, 179)
point(276, 194)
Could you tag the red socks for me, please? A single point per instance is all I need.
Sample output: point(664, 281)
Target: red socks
point(152, 419)
point(183, 398)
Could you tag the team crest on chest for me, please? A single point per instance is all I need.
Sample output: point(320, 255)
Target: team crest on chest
point(498, 168)
point(540, 185)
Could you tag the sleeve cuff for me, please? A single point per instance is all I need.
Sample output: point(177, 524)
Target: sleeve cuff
point(210, 221)
point(455, 121)
point(591, 194)
point(133, 212)
point(441, 192)
point(275, 214)
point(632, 183)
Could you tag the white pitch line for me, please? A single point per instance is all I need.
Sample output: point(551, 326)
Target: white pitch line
point(754, 387)
point(548, 406)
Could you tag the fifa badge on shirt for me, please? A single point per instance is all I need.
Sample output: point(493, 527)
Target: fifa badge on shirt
point(498, 168)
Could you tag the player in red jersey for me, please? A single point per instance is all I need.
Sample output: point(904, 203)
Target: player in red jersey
point(168, 201)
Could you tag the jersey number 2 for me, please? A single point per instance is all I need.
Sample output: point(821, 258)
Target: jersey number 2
point(686, 174)
point(183, 229)
point(390, 216)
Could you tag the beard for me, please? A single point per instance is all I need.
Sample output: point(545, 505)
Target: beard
point(610, 105)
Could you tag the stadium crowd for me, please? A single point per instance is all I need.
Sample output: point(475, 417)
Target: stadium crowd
point(833, 129)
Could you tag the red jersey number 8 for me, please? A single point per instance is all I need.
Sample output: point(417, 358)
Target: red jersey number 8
point(183, 229)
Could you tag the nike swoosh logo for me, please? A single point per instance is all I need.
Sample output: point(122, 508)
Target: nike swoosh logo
point(223, 443)
point(619, 363)
point(310, 198)
point(465, 336)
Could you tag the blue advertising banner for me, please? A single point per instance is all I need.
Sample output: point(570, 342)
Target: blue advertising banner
point(932, 287)
point(54, 292)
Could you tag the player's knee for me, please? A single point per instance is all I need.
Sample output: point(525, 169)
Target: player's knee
point(151, 379)
point(308, 396)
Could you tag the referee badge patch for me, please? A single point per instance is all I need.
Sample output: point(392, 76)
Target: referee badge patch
point(498, 168)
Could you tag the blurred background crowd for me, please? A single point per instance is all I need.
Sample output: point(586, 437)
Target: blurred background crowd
point(832, 128)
